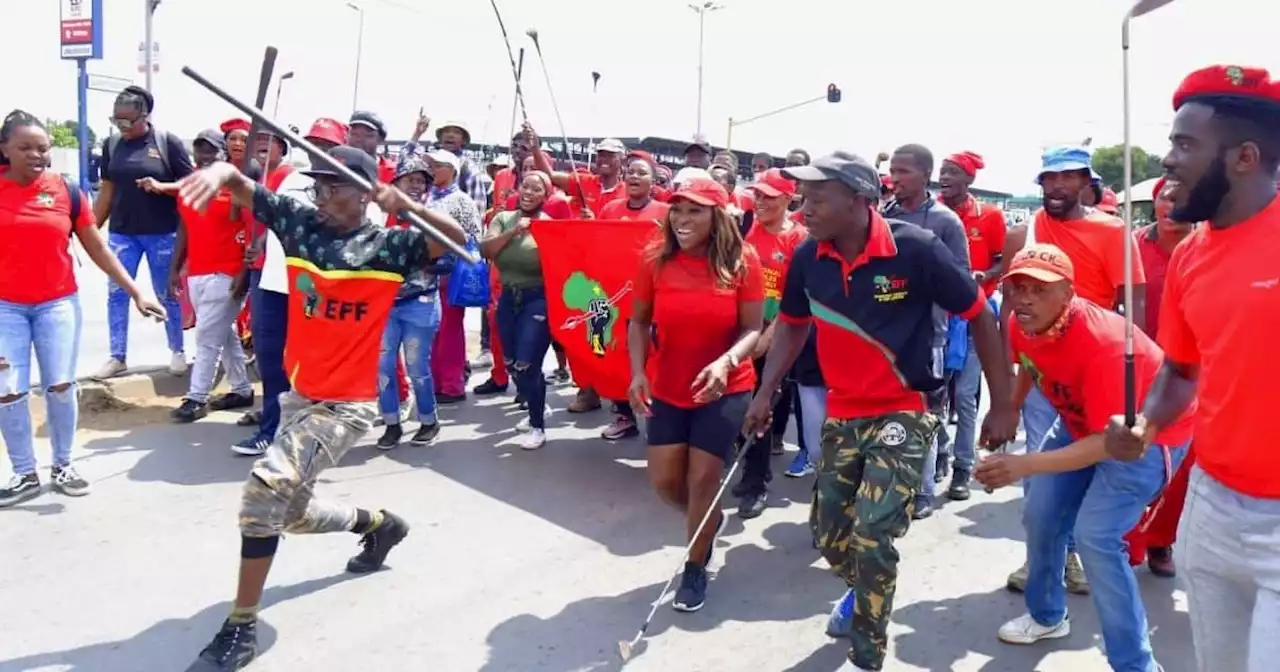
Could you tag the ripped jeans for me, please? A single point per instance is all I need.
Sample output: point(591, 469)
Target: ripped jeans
point(526, 337)
point(412, 325)
point(53, 329)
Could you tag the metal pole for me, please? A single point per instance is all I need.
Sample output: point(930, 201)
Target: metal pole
point(1130, 397)
point(275, 112)
point(702, 20)
point(150, 6)
point(82, 118)
point(355, 92)
point(728, 137)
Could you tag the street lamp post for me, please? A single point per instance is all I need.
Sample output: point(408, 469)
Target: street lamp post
point(708, 6)
point(275, 112)
point(151, 6)
point(355, 93)
point(831, 96)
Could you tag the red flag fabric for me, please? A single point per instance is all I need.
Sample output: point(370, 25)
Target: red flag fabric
point(589, 268)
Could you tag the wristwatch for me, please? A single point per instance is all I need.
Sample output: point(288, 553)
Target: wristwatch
point(733, 360)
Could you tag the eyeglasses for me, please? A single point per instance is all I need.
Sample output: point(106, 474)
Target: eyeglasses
point(321, 191)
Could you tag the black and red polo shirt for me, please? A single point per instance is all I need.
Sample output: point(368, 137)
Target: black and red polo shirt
point(873, 315)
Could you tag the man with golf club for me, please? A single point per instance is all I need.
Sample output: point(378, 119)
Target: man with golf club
point(868, 286)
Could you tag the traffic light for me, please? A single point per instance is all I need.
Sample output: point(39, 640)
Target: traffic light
point(833, 93)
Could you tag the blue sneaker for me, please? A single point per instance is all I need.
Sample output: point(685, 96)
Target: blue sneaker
point(800, 466)
point(840, 623)
point(254, 446)
point(692, 593)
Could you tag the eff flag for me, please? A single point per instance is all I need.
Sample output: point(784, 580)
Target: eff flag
point(589, 267)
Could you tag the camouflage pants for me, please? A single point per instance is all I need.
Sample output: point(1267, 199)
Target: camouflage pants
point(868, 476)
point(279, 495)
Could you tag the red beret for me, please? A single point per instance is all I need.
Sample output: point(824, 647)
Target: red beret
point(235, 125)
point(1227, 82)
point(1155, 191)
point(969, 162)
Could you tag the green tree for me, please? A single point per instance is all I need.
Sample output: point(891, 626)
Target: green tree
point(66, 133)
point(1108, 162)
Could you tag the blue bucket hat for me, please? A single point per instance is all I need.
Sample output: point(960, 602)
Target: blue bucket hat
point(1065, 159)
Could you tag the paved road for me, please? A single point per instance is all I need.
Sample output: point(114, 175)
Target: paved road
point(518, 562)
point(147, 347)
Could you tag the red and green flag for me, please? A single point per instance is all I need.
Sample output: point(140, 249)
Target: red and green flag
point(590, 267)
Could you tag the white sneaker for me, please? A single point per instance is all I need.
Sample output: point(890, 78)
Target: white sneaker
point(535, 439)
point(483, 361)
point(178, 364)
point(1025, 630)
point(111, 369)
point(523, 425)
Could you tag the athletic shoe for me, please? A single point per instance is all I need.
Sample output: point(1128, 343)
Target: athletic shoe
point(67, 481)
point(692, 593)
point(711, 549)
point(840, 622)
point(233, 648)
point(178, 364)
point(1076, 582)
point(585, 402)
point(378, 543)
point(1017, 581)
point(390, 438)
point(111, 369)
point(535, 439)
point(425, 435)
point(231, 401)
point(487, 388)
point(254, 446)
point(1025, 630)
point(190, 411)
point(923, 507)
point(753, 504)
point(1160, 562)
point(959, 490)
point(19, 489)
point(800, 466)
point(622, 427)
point(447, 399)
point(558, 377)
point(524, 425)
point(483, 361)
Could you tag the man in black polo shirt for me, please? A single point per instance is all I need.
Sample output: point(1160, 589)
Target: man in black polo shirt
point(869, 286)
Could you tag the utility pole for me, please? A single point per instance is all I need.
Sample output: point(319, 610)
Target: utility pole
point(708, 6)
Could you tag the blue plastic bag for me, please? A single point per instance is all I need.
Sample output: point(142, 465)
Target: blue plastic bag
point(469, 283)
point(957, 344)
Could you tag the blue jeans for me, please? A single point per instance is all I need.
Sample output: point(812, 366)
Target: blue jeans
point(270, 322)
point(158, 248)
point(1044, 431)
point(412, 325)
point(813, 402)
point(526, 337)
point(968, 384)
point(1101, 503)
point(53, 329)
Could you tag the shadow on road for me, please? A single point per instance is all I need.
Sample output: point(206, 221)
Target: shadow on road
point(170, 644)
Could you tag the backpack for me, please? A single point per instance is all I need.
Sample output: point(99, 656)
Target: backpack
point(73, 192)
point(161, 139)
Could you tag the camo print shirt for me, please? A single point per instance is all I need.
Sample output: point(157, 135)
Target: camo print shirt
point(341, 289)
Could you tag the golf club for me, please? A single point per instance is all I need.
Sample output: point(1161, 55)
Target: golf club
point(551, 93)
point(321, 157)
point(626, 648)
point(1130, 379)
point(515, 70)
point(515, 103)
point(595, 88)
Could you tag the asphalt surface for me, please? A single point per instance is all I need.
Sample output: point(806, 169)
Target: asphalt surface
point(517, 562)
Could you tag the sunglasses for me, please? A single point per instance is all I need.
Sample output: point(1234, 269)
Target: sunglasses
point(124, 123)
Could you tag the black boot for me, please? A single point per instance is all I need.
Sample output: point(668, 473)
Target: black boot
point(233, 648)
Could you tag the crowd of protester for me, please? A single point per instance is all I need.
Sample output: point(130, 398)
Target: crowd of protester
point(858, 301)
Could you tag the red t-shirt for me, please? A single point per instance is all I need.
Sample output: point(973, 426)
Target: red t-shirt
point(215, 242)
point(1081, 370)
point(695, 321)
point(276, 177)
point(555, 207)
point(35, 230)
point(775, 250)
point(1095, 245)
point(744, 200)
point(386, 170)
point(621, 209)
point(596, 195)
point(504, 186)
point(1155, 263)
point(1221, 310)
point(985, 228)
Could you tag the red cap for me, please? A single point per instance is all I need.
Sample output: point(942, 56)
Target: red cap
point(702, 191)
point(773, 183)
point(641, 154)
point(1156, 190)
point(231, 125)
point(329, 130)
point(1225, 82)
point(969, 162)
point(1043, 262)
point(1109, 203)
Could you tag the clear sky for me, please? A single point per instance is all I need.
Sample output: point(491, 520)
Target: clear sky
point(999, 77)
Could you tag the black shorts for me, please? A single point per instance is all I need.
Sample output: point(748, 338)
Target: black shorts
point(712, 428)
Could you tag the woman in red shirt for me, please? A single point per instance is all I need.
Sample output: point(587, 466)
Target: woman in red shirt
point(39, 212)
point(639, 202)
point(696, 316)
